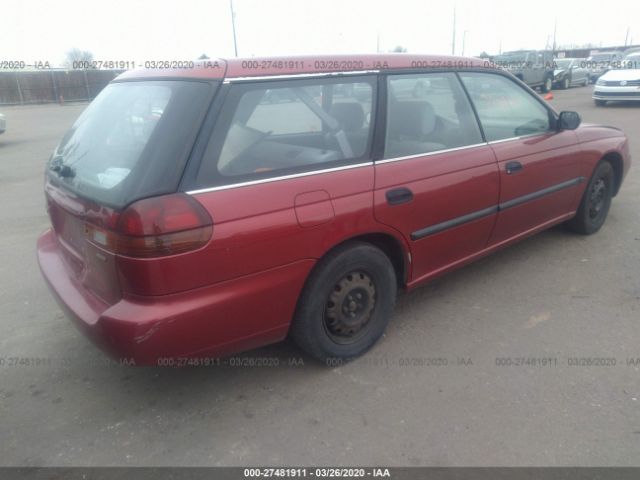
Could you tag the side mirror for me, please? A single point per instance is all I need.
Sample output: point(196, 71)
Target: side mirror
point(568, 120)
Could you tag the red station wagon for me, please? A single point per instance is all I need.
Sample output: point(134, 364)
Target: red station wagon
point(205, 211)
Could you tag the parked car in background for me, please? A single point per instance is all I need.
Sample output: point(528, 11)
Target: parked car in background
point(533, 67)
point(630, 51)
point(3, 123)
point(191, 219)
point(600, 63)
point(622, 84)
point(570, 73)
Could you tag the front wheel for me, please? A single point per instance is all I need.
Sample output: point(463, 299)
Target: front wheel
point(547, 85)
point(565, 83)
point(346, 303)
point(595, 202)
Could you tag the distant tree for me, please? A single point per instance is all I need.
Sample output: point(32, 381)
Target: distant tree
point(75, 57)
point(399, 49)
point(484, 55)
point(203, 57)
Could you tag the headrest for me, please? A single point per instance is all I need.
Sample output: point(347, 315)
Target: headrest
point(350, 115)
point(412, 119)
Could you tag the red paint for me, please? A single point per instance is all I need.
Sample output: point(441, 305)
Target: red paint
point(239, 288)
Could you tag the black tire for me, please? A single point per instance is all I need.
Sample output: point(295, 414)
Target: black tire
point(595, 202)
point(566, 83)
point(547, 85)
point(346, 303)
point(600, 103)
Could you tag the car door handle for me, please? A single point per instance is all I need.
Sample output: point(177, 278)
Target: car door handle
point(513, 167)
point(399, 195)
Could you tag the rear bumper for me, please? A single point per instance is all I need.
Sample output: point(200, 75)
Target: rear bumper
point(212, 321)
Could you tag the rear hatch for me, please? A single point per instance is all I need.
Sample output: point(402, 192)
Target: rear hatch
point(132, 142)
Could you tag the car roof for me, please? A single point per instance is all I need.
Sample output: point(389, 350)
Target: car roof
point(219, 68)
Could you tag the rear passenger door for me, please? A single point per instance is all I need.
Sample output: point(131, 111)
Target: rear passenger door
point(437, 181)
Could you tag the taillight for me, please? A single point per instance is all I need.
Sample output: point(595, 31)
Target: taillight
point(156, 227)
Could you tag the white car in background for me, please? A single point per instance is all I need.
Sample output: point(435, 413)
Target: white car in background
point(3, 124)
point(622, 84)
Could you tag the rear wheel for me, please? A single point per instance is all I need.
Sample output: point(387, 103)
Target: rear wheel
point(595, 202)
point(346, 303)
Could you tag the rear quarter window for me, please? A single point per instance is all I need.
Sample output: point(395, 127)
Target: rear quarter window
point(277, 128)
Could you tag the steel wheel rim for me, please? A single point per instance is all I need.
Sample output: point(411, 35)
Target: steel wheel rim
point(349, 307)
point(597, 197)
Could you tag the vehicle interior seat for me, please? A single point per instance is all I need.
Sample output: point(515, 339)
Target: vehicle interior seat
point(411, 124)
point(351, 118)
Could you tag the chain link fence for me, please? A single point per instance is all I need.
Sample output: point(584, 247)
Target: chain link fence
point(53, 86)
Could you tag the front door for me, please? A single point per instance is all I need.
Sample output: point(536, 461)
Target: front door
point(537, 164)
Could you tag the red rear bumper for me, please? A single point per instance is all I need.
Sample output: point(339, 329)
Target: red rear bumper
point(212, 321)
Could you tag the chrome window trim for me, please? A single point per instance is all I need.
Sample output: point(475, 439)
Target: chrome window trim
point(539, 134)
point(289, 76)
point(348, 167)
point(276, 179)
point(427, 154)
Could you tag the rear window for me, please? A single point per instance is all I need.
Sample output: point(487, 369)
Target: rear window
point(132, 141)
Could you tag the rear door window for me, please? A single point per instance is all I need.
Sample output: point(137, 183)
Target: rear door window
point(277, 128)
point(427, 113)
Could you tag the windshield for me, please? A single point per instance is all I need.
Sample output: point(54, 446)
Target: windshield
point(562, 64)
point(132, 140)
point(601, 57)
point(511, 57)
point(634, 59)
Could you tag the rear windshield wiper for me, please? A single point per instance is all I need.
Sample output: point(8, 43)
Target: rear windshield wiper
point(58, 166)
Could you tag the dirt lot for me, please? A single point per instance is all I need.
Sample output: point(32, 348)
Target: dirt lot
point(556, 296)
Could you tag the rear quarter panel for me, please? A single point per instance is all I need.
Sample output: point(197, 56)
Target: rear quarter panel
point(257, 228)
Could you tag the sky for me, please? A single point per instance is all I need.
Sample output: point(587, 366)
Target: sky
point(139, 30)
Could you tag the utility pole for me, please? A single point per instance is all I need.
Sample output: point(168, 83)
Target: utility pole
point(233, 27)
point(626, 37)
point(453, 41)
point(378, 43)
point(464, 39)
point(555, 29)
